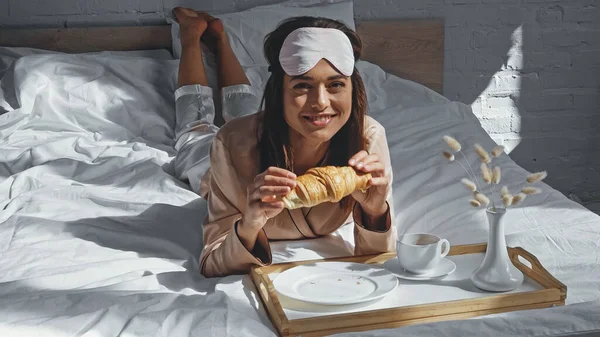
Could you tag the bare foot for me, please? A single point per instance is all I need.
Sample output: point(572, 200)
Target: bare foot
point(215, 33)
point(192, 26)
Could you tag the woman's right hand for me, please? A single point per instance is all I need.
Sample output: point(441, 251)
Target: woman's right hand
point(263, 201)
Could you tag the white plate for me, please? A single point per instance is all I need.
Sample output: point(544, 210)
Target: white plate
point(335, 283)
point(445, 267)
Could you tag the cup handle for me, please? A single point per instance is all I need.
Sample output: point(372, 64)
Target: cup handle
point(446, 249)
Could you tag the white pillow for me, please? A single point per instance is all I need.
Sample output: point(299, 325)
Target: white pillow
point(103, 96)
point(10, 54)
point(247, 29)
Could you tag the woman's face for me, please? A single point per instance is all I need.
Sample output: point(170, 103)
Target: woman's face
point(317, 104)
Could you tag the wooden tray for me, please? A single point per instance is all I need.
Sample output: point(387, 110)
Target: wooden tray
point(548, 292)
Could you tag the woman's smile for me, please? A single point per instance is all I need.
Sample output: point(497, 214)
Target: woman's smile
point(320, 120)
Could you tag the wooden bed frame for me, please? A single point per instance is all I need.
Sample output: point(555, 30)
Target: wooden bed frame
point(410, 49)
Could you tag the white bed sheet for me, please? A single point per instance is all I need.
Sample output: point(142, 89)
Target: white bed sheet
point(97, 238)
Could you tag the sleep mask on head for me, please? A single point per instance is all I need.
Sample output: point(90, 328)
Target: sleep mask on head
point(305, 47)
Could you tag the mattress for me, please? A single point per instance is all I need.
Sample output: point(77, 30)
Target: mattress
point(98, 238)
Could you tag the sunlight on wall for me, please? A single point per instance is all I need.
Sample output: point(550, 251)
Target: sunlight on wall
point(496, 107)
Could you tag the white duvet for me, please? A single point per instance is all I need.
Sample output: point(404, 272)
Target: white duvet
point(97, 238)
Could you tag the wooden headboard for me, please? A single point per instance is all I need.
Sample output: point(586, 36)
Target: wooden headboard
point(411, 49)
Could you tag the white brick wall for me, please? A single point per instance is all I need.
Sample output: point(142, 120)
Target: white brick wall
point(529, 68)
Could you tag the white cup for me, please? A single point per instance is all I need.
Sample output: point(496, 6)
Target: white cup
point(420, 253)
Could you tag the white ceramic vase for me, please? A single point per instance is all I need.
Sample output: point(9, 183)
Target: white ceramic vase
point(497, 272)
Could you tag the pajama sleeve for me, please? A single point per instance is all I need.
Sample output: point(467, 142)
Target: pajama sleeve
point(370, 241)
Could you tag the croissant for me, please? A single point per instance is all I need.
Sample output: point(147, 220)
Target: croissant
point(322, 184)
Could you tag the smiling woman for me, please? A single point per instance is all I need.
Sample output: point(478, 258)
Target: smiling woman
point(314, 116)
point(321, 94)
point(317, 106)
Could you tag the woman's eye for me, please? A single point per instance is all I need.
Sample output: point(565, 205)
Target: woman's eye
point(302, 86)
point(337, 85)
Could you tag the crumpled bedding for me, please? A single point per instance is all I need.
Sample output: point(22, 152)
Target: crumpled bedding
point(97, 238)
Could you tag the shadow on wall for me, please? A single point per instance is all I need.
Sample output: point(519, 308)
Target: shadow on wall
point(532, 76)
point(559, 104)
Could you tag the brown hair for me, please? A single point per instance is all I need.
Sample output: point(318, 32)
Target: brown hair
point(273, 138)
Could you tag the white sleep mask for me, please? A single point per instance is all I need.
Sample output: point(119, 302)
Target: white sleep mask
point(305, 47)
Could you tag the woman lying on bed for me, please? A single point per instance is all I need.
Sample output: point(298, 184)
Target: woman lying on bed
point(314, 115)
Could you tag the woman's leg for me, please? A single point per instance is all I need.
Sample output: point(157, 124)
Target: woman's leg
point(194, 107)
point(191, 67)
point(229, 70)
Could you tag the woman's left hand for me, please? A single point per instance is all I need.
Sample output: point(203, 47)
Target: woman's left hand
point(372, 201)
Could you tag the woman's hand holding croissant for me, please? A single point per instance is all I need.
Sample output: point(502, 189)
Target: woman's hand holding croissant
point(262, 202)
point(373, 200)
